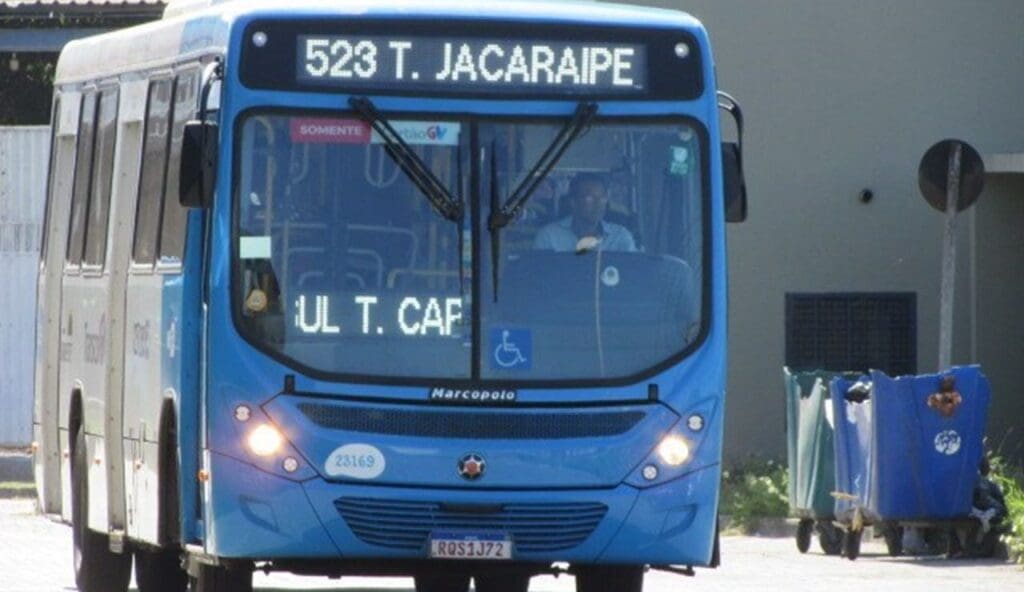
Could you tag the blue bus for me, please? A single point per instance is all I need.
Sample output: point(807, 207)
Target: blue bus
point(394, 288)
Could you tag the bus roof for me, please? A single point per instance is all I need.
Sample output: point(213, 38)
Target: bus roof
point(192, 27)
point(576, 10)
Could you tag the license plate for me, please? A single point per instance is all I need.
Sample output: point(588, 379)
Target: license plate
point(470, 545)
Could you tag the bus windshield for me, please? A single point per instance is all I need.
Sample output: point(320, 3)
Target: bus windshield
point(343, 267)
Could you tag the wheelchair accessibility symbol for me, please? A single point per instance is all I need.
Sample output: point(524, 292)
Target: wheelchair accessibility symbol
point(512, 349)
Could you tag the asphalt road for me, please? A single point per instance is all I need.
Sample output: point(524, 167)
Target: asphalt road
point(35, 556)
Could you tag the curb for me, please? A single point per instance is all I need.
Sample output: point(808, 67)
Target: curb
point(763, 527)
point(16, 467)
point(775, 528)
point(17, 493)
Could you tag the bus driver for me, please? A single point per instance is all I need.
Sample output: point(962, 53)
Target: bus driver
point(588, 201)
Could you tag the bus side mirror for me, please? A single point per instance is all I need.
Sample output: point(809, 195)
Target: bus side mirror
point(198, 171)
point(733, 182)
point(735, 188)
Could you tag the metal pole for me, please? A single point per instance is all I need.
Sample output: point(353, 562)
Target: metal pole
point(949, 260)
point(973, 226)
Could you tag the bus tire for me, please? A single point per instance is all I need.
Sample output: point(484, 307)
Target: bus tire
point(505, 582)
point(159, 570)
point(441, 583)
point(610, 578)
point(217, 578)
point(170, 492)
point(97, 569)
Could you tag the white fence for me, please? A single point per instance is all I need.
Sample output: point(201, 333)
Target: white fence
point(24, 153)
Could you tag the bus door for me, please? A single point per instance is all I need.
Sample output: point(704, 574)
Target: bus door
point(72, 302)
point(85, 305)
point(154, 298)
point(123, 189)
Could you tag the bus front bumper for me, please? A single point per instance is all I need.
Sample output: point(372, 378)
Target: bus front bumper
point(254, 515)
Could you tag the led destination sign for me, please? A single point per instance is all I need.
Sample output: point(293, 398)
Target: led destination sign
point(472, 59)
point(325, 315)
point(471, 64)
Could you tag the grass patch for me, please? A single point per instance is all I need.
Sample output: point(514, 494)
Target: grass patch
point(1010, 479)
point(752, 490)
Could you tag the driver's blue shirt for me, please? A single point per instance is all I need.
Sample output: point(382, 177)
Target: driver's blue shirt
point(558, 236)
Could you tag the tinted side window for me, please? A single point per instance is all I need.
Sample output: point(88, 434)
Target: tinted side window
point(154, 170)
point(83, 178)
point(172, 235)
point(103, 174)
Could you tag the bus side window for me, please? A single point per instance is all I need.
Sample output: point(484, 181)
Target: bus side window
point(83, 179)
point(154, 170)
point(103, 175)
point(172, 232)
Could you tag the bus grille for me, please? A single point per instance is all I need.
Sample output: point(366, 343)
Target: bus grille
point(533, 527)
point(474, 425)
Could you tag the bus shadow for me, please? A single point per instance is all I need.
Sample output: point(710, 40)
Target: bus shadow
point(941, 561)
point(322, 589)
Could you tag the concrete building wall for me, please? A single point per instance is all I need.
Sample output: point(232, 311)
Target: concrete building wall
point(840, 96)
point(1000, 312)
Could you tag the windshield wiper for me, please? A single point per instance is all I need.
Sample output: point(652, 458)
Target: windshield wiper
point(502, 214)
point(407, 160)
point(500, 217)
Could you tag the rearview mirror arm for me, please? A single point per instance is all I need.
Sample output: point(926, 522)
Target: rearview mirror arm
point(727, 103)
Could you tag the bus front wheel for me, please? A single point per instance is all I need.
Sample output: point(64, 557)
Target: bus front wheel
point(210, 578)
point(97, 568)
point(159, 570)
point(610, 578)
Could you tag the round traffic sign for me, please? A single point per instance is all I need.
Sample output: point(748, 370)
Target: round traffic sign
point(933, 175)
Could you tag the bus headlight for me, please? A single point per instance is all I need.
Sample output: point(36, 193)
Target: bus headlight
point(690, 445)
point(673, 451)
point(265, 440)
